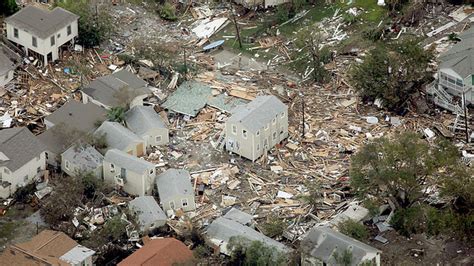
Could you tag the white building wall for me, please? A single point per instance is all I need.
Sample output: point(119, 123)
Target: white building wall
point(178, 203)
point(7, 77)
point(136, 184)
point(23, 175)
point(44, 46)
point(150, 137)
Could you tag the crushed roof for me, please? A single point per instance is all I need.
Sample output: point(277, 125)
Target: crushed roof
point(41, 22)
point(322, 242)
point(163, 252)
point(174, 182)
point(85, 156)
point(107, 88)
point(140, 119)
point(148, 210)
point(258, 113)
point(117, 136)
point(192, 96)
point(78, 115)
point(128, 161)
point(20, 146)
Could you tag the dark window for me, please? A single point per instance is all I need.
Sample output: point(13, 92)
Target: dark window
point(69, 31)
point(52, 40)
point(15, 32)
point(34, 42)
point(123, 173)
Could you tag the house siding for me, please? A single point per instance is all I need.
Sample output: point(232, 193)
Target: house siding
point(44, 46)
point(140, 184)
point(177, 199)
point(445, 78)
point(74, 168)
point(17, 178)
point(6, 78)
point(150, 137)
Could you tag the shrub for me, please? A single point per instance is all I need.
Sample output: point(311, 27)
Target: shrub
point(167, 11)
point(274, 226)
point(353, 229)
point(409, 221)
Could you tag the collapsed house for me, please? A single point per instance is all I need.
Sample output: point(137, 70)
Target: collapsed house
point(148, 212)
point(175, 190)
point(146, 123)
point(160, 251)
point(42, 33)
point(134, 175)
point(82, 159)
point(47, 248)
point(8, 63)
point(322, 246)
point(22, 159)
point(255, 128)
point(121, 88)
point(233, 225)
point(121, 138)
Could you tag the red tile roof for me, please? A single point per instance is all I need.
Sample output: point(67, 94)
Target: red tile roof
point(160, 252)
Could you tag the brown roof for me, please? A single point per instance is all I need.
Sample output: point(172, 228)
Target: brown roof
point(160, 252)
point(43, 249)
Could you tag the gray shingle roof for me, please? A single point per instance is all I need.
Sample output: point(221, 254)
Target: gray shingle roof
point(85, 156)
point(127, 161)
point(189, 98)
point(258, 113)
point(467, 34)
point(148, 210)
point(5, 63)
point(107, 88)
point(322, 241)
point(20, 146)
point(80, 116)
point(223, 229)
point(174, 182)
point(460, 58)
point(41, 22)
point(140, 119)
point(117, 136)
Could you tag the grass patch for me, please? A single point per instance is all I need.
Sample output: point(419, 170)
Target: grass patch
point(7, 229)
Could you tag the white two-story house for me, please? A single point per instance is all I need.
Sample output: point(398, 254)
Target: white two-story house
point(256, 127)
point(42, 33)
point(22, 159)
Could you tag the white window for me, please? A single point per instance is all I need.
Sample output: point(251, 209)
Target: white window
point(158, 138)
point(151, 171)
point(112, 167)
point(274, 135)
point(25, 179)
point(38, 169)
point(258, 133)
point(184, 202)
point(66, 164)
point(282, 114)
point(244, 133)
point(234, 129)
point(59, 35)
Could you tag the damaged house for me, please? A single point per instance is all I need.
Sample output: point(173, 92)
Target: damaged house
point(42, 33)
point(82, 159)
point(256, 127)
point(234, 225)
point(66, 125)
point(134, 175)
point(8, 63)
point(146, 123)
point(322, 244)
point(148, 212)
point(121, 138)
point(121, 88)
point(175, 190)
point(252, 4)
point(22, 159)
point(456, 74)
point(48, 248)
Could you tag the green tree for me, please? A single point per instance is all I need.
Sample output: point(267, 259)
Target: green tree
point(401, 168)
point(167, 11)
point(344, 258)
point(313, 54)
point(245, 252)
point(8, 7)
point(353, 229)
point(116, 114)
point(94, 27)
point(392, 73)
point(274, 226)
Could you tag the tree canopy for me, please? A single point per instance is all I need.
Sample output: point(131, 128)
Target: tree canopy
point(8, 7)
point(392, 72)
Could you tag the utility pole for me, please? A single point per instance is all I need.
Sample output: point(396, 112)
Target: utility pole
point(185, 64)
point(465, 115)
point(236, 26)
point(302, 109)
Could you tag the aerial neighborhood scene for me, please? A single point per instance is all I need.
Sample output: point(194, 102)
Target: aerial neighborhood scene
point(245, 132)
